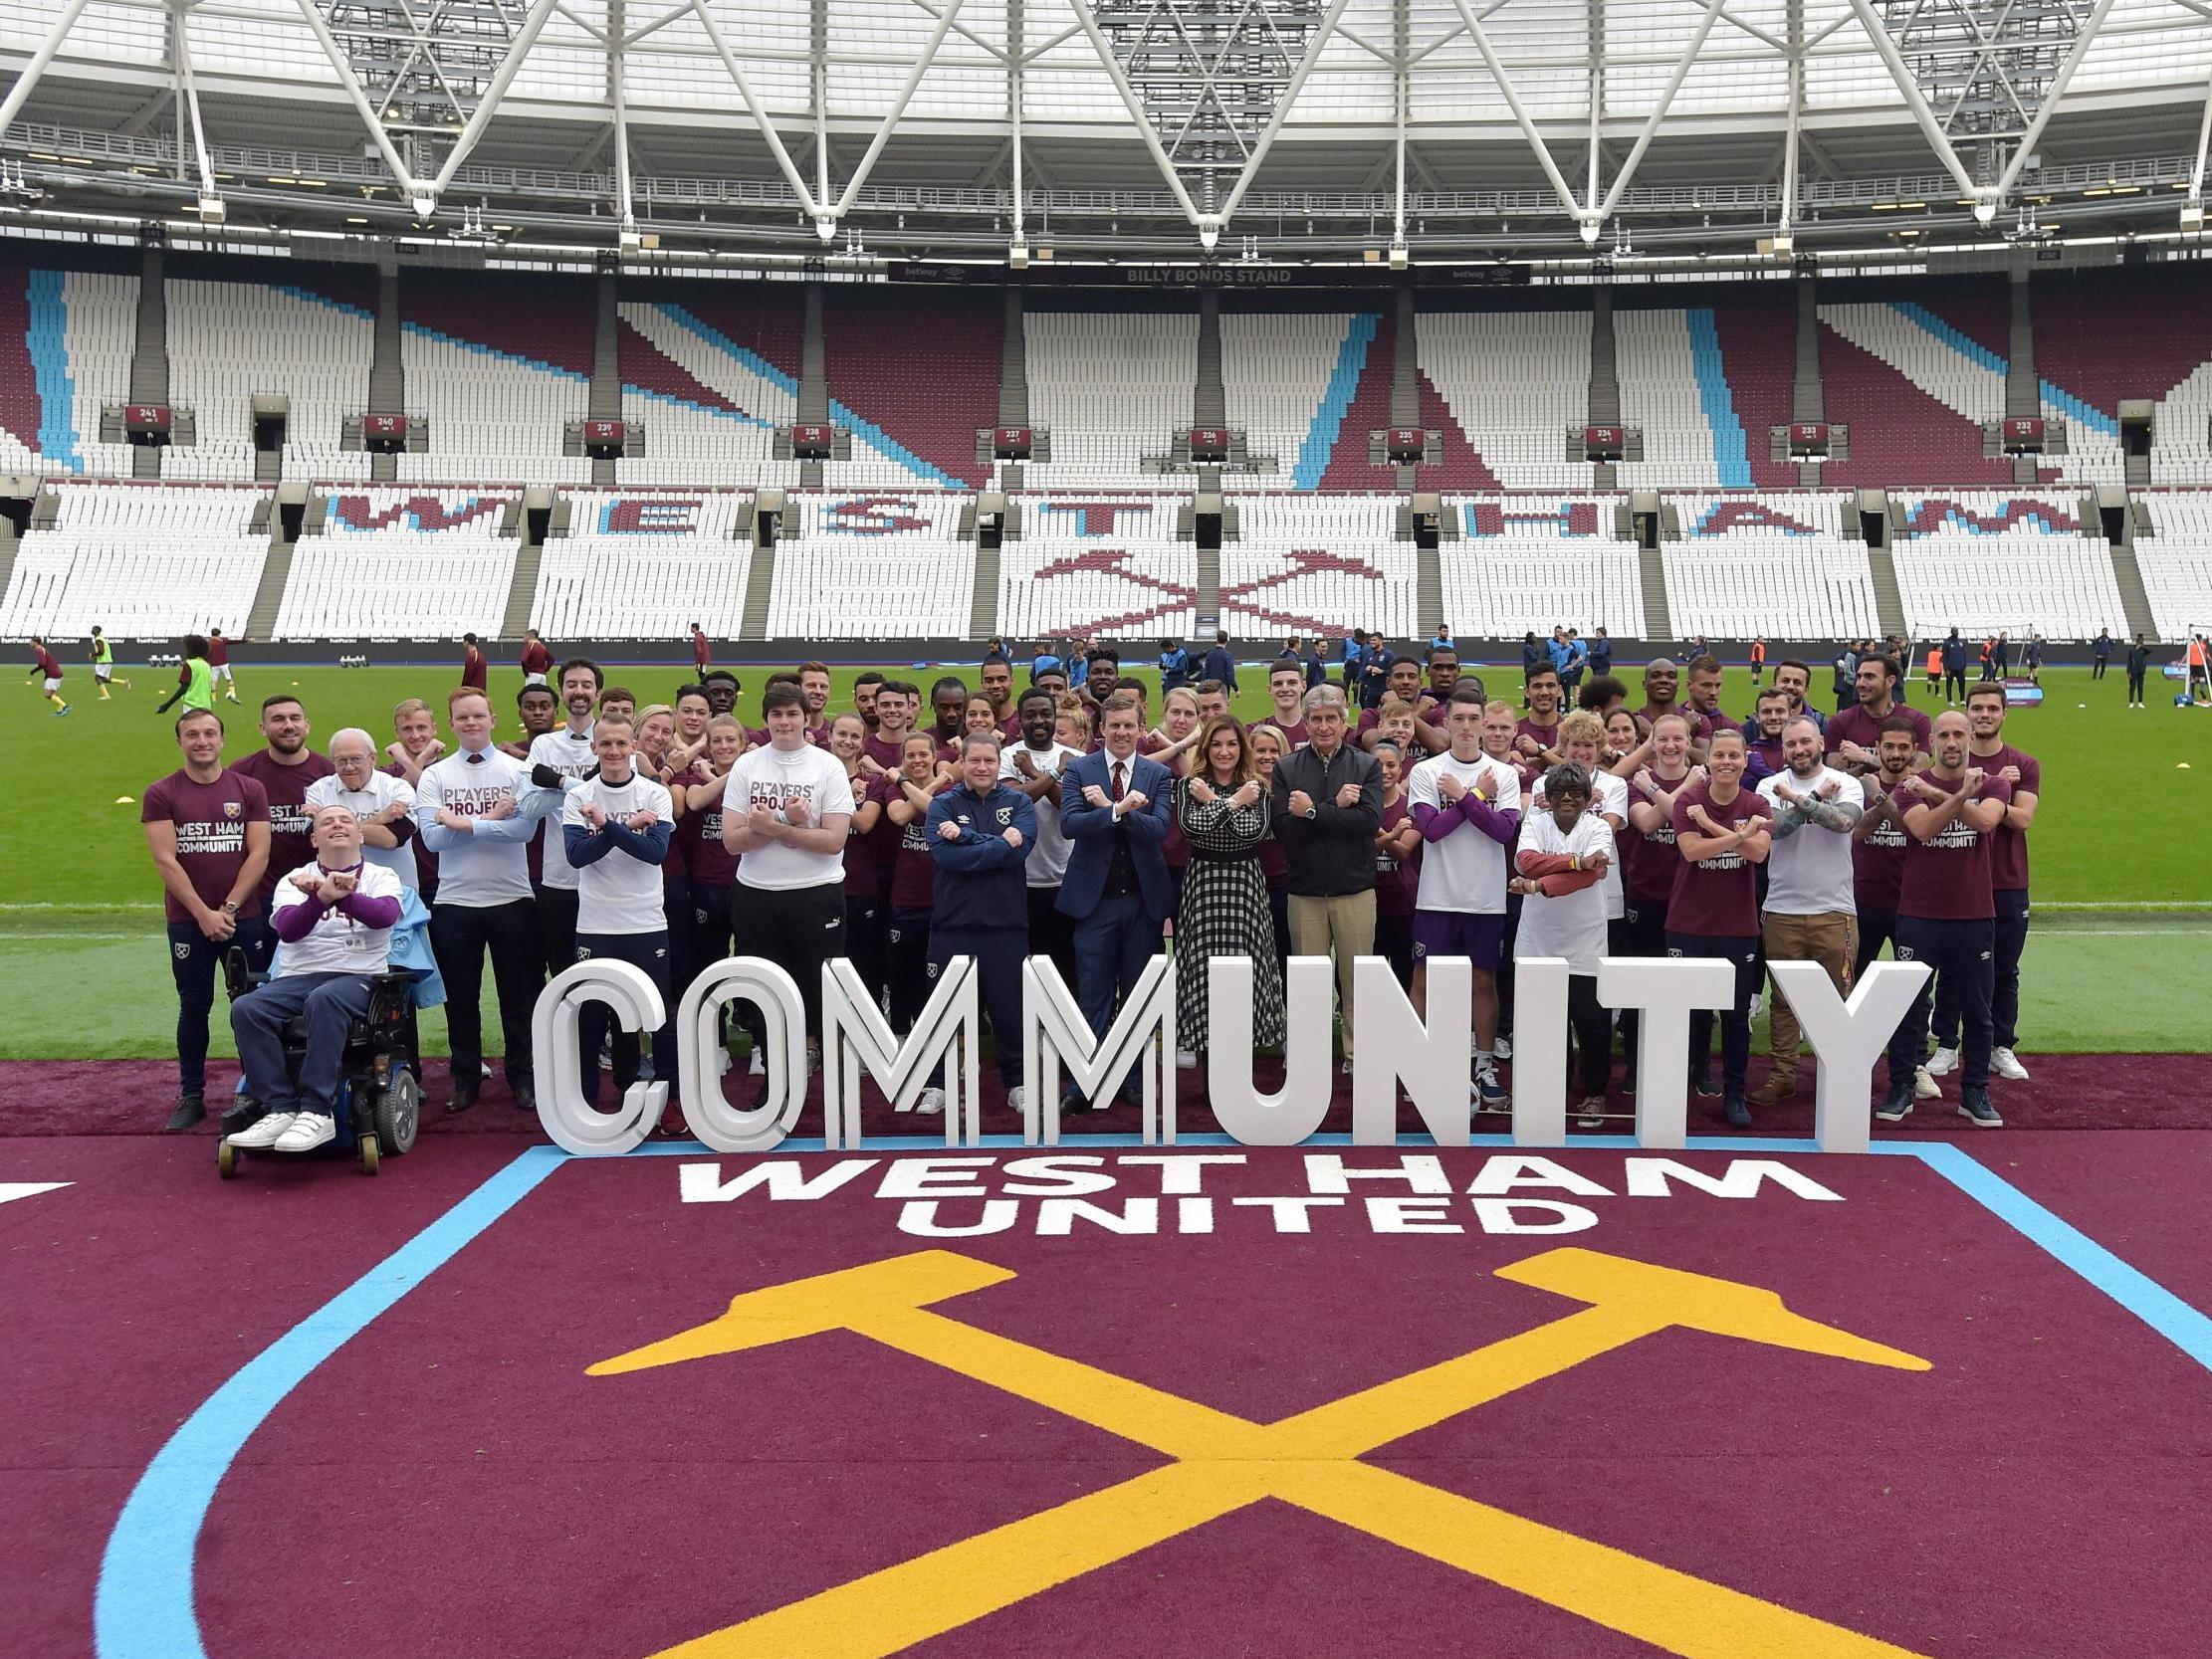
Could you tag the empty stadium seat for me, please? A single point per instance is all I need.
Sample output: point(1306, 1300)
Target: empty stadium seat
point(639, 565)
point(1103, 424)
point(1515, 382)
point(141, 560)
point(400, 564)
point(1985, 561)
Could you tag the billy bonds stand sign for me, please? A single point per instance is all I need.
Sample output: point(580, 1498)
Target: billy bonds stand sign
point(1396, 1050)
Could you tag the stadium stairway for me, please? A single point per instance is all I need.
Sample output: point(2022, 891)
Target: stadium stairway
point(759, 588)
point(387, 374)
point(1881, 569)
point(1013, 381)
point(1405, 377)
point(1808, 394)
point(814, 380)
point(2023, 390)
point(1659, 618)
point(1209, 397)
point(1428, 592)
point(2128, 576)
point(149, 357)
point(982, 603)
point(522, 586)
point(604, 402)
point(1604, 410)
point(275, 571)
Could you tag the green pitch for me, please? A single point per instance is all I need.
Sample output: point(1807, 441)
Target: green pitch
point(2119, 849)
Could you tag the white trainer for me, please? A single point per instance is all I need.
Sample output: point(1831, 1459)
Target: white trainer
point(1185, 1060)
point(1924, 1086)
point(2005, 1063)
point(1017, 1099)
point(260, 1134)
point(1503, 1047)
point(1944, 1063)
point(754, 1067)
point(1591, 1113)
point(309, 1130)
point(929, 1103)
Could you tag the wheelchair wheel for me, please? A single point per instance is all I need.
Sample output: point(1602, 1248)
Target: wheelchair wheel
point(399, 1112)
point(226, 1160)
point(371, 1159)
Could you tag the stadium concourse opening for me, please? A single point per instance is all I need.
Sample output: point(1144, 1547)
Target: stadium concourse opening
point(1408, 957)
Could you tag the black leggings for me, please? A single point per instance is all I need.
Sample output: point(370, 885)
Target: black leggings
point(1735, 1020)
point(1394, 943)
point(2135, 685)
point(1593, 1031)
point(907, 954)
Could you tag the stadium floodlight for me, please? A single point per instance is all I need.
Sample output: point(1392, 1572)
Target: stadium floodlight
point(1783, 244)
point(1985, 212)
point(2192, 218)
point(1209, 237)
point(211, 210)
point(1399, 258)
point(1590, 232)
point(629, 239)
point(1018, 257)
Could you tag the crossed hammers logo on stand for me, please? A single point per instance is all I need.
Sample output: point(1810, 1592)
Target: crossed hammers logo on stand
point(1222, 1462)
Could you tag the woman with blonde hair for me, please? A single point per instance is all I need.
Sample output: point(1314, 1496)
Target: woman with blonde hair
point(1224, 811)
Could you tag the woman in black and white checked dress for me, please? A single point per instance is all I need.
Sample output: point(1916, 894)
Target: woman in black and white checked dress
point(1225, 812)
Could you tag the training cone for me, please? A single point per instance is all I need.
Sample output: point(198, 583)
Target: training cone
point(126, 800)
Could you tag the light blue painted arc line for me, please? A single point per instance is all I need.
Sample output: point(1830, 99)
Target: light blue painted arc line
point(2188, 1327)
point(1731, 452)
point(1336, 401)
point(1956, 338)
point(2076, 410)
point(631, 389)
point(846, 416)
point(483, 350)
point(143, 1606)
point(745, 356)
point(48, 341)
point(307, 296)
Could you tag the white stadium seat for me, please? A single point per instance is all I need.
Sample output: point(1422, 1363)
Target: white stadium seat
point(140, 560)
point(396, 562)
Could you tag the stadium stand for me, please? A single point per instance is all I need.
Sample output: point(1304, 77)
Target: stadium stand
point(644, 566)
point(913, 375)
point(495, 367)
point(82, 326)
point(1103, 426)
point(2166, 356)
point(1533, 561)
point(142, 561)
point(1514, 382)
point(872, 567)
point(1985, 561)
point(710, 384)
point(2176, 563)
point(1307, 563)
point(1779, 565)
point(1755, 326)
point(1288, 379)
point(310, 348)
point(1103, 564)
point(1674, 387)
point(398, 563)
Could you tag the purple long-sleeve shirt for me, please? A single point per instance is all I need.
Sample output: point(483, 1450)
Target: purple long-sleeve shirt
point(294, 922)
point(1436, 822)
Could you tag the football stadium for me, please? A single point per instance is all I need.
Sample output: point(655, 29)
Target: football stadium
point(1458, 749)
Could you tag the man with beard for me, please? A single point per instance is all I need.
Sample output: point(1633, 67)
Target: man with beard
point(1811, 910)
point(996, 678)
point(284, 770)
point(813, 686)
point(948, 707)
point(1947, 916)
point(1878, 843)
point(1763, 735)
point(864, 698)
point(1536, 738)
point(1443, 674)
point(1701, 676)
point(1795, 678)
point(555, 764)
point(1404, 685)
point(2008, 882)
point(1852, 734)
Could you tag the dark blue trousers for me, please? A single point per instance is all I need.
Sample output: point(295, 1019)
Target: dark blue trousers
point(2004, 996)
point(194, 962)
point(999, 955)
point(1112, 946)
point(1963, 955)
point(331, 1002)
point(650, 953)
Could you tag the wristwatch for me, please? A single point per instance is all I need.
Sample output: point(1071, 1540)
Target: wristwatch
point(230, 907)
point(1313, 812)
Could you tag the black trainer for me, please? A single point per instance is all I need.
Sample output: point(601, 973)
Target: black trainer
point(464, 1097)
point(1704, 1086)
point(244, 1112)
point(525, 1097)
point(1739, 1114)
point(1897, 1104)
point(191, 1107)
point(1974, 1105)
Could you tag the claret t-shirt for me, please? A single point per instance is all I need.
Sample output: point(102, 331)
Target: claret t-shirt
point(1717, 896)
point(210, 821)
point(1947, 876)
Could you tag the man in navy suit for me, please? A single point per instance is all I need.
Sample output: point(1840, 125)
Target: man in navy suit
point(1114, 811)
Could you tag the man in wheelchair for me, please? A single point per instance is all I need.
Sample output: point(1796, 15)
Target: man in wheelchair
point(334, 919)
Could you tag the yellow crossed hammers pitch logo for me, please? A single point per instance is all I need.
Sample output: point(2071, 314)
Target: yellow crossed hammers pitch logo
point(1222, 1462)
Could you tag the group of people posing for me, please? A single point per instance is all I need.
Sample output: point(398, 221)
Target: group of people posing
point(1081, 823)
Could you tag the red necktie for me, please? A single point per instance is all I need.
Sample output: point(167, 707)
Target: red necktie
point(1117, 780)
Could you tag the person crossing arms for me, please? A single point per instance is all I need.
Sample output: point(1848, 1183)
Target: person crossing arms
point(1723, 832)
point(557, 761)
point(104, 663)
point(2008, 882)
point(48, 669)
point(1811, 910)
point(980, 832)
point(1947, 916)
point(615, 829)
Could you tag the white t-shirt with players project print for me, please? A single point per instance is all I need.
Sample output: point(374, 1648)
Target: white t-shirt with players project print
point(617, 893)
point(775, 778)
point(1465, 871)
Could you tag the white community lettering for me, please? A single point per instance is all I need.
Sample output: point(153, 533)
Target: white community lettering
point(1145, 1194)
point(211, 835)
point(1396, 1050)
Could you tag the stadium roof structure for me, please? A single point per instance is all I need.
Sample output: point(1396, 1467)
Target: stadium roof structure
point(1317, 132)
